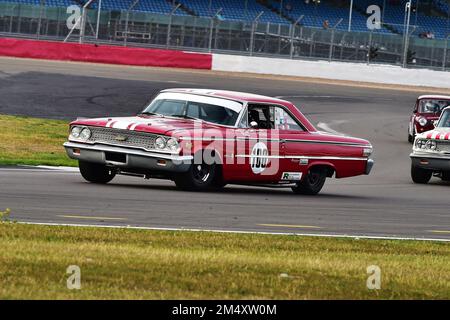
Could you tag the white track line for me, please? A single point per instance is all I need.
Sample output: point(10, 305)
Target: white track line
point(238, 232)
point(26, 168)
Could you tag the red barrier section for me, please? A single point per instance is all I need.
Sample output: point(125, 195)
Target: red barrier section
point(103, 54)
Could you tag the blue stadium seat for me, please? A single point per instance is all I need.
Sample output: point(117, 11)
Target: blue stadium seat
point(314, 16)
point(394, 14)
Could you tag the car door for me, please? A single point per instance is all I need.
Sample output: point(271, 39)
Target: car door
point(293, 148)
point(258, 149)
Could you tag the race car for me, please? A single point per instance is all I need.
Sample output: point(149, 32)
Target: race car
point(204, 139)
point(431, 152)
point(427, 109)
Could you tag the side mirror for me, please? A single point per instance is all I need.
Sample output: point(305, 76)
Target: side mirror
point(253, 124)
point(435, 123)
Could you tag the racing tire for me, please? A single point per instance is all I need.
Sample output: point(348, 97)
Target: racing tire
point(199, 177)
point(445, 176)
point(411, 137)
point(96, 173)
point(313, 182)
point(420, 176)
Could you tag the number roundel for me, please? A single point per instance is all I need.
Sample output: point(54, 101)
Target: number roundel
point(259, 158)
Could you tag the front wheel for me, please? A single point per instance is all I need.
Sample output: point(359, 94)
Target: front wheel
point(445, 176)
point(421, 176)
point(96, 173)
point(411, 135)
point(199, 177)
point(312, 183)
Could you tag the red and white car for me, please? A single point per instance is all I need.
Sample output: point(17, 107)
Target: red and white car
point(431, 152)
point(426, 111)
point(204, 139)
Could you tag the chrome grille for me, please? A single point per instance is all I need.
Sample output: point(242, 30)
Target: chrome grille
point(131, 138)
point(443, 146)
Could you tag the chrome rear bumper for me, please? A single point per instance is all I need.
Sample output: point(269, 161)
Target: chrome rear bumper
point(369, 166)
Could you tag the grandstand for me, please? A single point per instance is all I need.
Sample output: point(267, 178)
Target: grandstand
point(430, 16)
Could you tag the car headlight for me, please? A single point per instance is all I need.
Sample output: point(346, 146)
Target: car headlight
point(85, 134)
point(432, 145)
point(422, 121)
point(75, 132)
point(172, 144)
point(421, 143)
point(160, 143)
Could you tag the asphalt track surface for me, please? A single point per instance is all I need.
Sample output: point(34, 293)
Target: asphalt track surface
point(385, 203)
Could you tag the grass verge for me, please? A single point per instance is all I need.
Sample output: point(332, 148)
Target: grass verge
point(32, 141)
point(141, 264)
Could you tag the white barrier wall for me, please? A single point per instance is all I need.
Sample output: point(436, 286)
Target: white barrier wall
point(359, 72)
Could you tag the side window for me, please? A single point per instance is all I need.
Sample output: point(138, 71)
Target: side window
point(262, 115)
point(284, 121)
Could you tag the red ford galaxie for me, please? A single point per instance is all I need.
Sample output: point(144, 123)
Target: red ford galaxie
point(426, 111)
point(204, 139)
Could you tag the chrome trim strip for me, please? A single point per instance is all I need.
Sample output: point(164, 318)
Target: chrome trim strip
point(349, 144)
point(345, 144)
point(304, 157)
point(126, 151)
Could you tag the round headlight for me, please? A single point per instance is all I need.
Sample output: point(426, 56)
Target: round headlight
point(85, 134)
point(421, 143)
point(172, 144)
point(432, 145)
point(422, 121)
point(76, 132)
point(160, 143)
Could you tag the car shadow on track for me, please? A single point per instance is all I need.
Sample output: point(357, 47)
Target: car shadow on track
point(238, 190)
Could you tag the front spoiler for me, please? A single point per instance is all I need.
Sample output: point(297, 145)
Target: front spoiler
point(135, 159)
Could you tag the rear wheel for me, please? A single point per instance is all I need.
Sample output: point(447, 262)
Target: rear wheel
point(420, 175)
point(96, 173)
point(313, 182)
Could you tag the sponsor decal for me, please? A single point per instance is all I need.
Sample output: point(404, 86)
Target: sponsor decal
point(259, 159)
point(291, 176)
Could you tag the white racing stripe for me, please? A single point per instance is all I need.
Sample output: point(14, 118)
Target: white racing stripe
point(120, 124)
point(108, 124)
point(356, 237)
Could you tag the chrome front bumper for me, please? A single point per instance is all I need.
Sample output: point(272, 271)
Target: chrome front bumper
point(432, 161)
point(133, 158)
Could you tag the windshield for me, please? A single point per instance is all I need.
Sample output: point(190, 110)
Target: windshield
point(433, 105)
point(445, 120)
point(215, 110)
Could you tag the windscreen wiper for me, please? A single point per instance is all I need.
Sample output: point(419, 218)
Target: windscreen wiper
point(147, 113)
point(185, 116)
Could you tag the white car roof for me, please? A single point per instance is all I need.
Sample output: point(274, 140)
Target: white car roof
point(434, 96)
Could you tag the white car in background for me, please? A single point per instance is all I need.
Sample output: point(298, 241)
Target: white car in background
point(431, 152)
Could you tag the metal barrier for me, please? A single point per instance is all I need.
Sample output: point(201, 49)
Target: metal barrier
point(294, 41)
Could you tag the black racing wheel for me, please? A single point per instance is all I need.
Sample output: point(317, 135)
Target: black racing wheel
point(420, 175)
point(96, 173)
point(313, 182)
